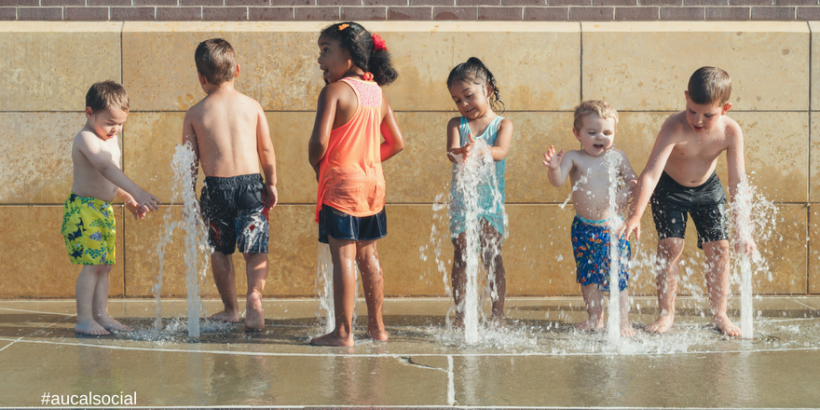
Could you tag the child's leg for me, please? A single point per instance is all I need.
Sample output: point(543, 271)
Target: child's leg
point(491, 255)
point(86, 290)
point(626, 327)
point(100, 303)
point(343, 252)
point(717, 283)
point(669, 253)
point(256, 267)
point(367, 257)
point(459, 276)
point(594, 301)
point(224, 278)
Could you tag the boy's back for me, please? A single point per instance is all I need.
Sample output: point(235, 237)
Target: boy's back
point(225, 125)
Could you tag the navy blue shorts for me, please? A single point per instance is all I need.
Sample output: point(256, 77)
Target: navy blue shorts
point(339, 225)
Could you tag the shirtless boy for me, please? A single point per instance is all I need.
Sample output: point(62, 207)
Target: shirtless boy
point(230, 137)
point(89, 227)
point(590, 170)
point(680, 178)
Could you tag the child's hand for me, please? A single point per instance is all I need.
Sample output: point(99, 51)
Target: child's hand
point(131, 205)
point(271, 196)
point(749, 248)
point(146, 201)
point(553, 160)
point(632, 224)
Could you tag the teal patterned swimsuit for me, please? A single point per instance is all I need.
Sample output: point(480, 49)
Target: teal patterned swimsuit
point(491, 210)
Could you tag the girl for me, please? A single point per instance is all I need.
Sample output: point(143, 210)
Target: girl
point(476, 95)
point(346, 153)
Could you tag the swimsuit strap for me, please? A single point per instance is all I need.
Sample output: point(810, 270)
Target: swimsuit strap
point(590, 221)
point(488, 135)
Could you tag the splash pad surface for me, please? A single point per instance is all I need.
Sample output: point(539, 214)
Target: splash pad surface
point(539, 361)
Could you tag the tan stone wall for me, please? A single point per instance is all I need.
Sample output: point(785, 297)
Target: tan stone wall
point(543, 69)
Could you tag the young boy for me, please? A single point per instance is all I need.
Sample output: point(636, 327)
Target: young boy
point(680, 177)
point(229, 134)
point(592, 171)
point(88, 218)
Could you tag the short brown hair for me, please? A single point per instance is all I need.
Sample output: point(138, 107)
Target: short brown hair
point(105, 95)
point(215, 60)
point(710, 85)
point(602, 108)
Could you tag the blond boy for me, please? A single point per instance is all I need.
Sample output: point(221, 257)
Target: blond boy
point(229, 134)
point(593, 170)
point(89, 228)
point(680, 179)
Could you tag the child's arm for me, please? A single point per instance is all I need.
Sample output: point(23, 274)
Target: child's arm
point(131, 204)
point(454, 148)
point(189, 137)
point(648, 179)
point(393, 141)
point(502, 143)
point(267, 157)
point(558, 169)
point(737, 171)
point(89, 145)
point(325, 115)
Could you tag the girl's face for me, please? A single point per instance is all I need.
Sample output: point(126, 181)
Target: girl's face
point(597, 135)
point(106, 123)
point(472, 100)
point(334, 61)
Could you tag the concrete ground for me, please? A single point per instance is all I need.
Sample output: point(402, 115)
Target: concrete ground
point(539, 361)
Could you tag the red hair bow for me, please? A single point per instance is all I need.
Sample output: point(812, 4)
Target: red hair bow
point(378, 43)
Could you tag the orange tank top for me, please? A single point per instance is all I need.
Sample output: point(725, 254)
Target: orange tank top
point(350, 174)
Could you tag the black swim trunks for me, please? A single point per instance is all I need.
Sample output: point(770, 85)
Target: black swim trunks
point(671, 202)
point(234, 210)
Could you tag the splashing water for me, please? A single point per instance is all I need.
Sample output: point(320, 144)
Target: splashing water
point(613, 324)
point(753, 216)
point(472, 180)
point(196, 245)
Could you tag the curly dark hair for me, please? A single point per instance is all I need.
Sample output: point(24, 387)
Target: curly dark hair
point(359, 43)
point(475, 71)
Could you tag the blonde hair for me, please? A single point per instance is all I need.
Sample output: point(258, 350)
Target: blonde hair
point(600, 107)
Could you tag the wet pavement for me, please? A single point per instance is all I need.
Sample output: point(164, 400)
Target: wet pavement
point(538, 361)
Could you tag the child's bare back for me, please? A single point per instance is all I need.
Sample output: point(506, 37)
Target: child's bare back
point(225, 125)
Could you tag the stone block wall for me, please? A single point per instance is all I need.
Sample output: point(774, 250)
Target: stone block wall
point(543, 71)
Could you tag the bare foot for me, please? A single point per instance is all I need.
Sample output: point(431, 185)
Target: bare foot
point(627, 330)
point(254, 316)
point(225, 316)
point(90, 327)
point(726, 326)
point(331, 339)
point(662, 325)
point(498, 323)
point(589, 325)
point(459, 323)
point(377, 334)
point(110, 323)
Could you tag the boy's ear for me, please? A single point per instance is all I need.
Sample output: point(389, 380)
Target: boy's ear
point(202, 79)
point(89, 112)
point(577, 133)
point(686, 94)
point(238, 69)
point(726, 107)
